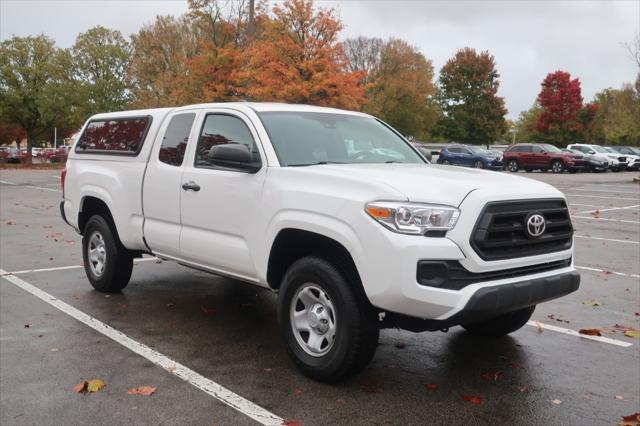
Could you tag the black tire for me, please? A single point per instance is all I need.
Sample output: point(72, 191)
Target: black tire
point(356, 330)
point(478, 164)
point(446, 162)
point(118, 261)
point(557, 166)
point(513, 166)
point(502, 324)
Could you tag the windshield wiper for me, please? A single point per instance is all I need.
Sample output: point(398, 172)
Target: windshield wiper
point(319, 163)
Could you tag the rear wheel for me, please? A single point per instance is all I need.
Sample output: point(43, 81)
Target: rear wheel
point(502, 324)
point(328, 330)
point(446, 163)
point(107, 263)
point(478, 164)
point(557, 166)
point(512, 166)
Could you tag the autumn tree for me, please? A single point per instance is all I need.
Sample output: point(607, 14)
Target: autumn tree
point(11, 133)
point(100, 59)
point(616, 117)
point(472, 110)
point(159, 62)
point(297, 58)
point(34, 85)
point(400, 86)
point(561, 101)
point(364, 54)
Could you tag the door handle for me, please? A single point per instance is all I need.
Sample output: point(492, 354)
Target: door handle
point(191, 186)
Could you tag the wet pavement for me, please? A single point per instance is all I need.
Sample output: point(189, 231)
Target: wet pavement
point(227, 332)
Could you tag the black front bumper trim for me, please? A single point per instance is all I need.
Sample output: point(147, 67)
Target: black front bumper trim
point(489, 302)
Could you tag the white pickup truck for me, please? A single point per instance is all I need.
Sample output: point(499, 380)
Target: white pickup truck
point(332, 209)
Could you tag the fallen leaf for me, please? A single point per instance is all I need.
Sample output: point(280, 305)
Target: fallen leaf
point(538, 326)
point(491, 376)
point(431, 386)
point(637, 314)
point(475, 400)
point(556, 401)
point(592, 303)
point(635, 334)
point(95, 385)
point(607, 272)
point(590, 331)
point(171, 369)
point(27, 326)
point(630, 420)
point(267, 370)
point(596, 214)
point(142, 390)
point(292, 423)
point(400, 345)
point(54, 349)
point(50, 259)
point(106, 296)
point(170, 305)
point(10, 222)
point(340, 401)
point(523, 389)
point(297, 392)
point(620, 397)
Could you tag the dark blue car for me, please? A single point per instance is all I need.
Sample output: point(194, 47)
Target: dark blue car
point(472, 156)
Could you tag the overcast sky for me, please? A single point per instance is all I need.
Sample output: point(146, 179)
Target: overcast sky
point(528, 38)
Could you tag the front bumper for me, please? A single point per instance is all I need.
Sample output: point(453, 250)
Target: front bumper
point(489, 302)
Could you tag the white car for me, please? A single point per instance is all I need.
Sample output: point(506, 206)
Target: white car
point(352, 240)
point(617, 162)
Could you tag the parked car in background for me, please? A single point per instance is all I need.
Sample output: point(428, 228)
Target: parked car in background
point(633, 157)
point(538, 156)
point(4, 154)
point(593, 164)
point(469, 155)
point(15, 155)
point(37, 152)
point(617, 162)
point(424, 150)
point(60, 155)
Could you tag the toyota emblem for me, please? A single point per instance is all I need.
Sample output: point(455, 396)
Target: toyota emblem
point(535, 225)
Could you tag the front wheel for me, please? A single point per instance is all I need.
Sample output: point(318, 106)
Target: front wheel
point(446, 162)
point(512, 166)
point(328, 330)
point(478, 164)
point(557, 166)
point(502, 324)
point(107, 263)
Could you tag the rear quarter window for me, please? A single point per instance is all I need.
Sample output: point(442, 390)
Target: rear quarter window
point(123, 136)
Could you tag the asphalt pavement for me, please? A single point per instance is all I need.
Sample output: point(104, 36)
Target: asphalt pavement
point(210, 345)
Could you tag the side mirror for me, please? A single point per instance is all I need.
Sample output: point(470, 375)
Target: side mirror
point(591, 152)
point(234, 156)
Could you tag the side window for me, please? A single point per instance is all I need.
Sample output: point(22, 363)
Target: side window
point(123, 136)
point(174, 142)
point(221, 129)
point(515, 148)
point(526, 148)
point(454, 150)
point(537, 149)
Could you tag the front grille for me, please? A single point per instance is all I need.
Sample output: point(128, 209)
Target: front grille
point(622, 159)
point(500, 232)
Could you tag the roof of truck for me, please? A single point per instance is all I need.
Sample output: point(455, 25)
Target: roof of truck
point(256, 106)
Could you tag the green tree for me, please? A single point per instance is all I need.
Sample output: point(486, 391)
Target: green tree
point(616, 118)
point(525, 126)
point(34, 86)
point(101, 59)
point(472, 111)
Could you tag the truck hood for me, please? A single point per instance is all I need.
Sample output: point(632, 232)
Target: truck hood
point(430, 183)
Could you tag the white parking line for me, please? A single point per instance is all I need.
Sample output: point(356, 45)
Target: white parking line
point(64, 268)
point(605, 190)
point(584, 205)
point(30, 186)
point(576, 334)
point(212, 388)
point(620, 274)
point(606, 239)
point(604, 219)
point(635, 206)
point(597, 196)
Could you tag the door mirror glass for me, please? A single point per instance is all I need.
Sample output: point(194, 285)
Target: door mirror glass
point(591, 152)
point(233, 156)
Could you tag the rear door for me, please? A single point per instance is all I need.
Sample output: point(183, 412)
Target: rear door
point(220, 205)
point(162, 184)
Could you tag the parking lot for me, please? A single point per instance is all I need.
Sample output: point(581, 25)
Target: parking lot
point(211, 345)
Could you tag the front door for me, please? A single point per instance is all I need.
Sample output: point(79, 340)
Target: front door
point(161, 191)
point(220, 205)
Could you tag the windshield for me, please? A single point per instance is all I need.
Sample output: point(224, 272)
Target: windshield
point(551, 148)
point(480, 151)
point(307, 138)
point(600, 149)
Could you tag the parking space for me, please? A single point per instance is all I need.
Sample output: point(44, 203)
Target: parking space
point(225, 335)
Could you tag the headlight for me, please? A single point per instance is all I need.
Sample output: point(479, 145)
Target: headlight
point(413, 218)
